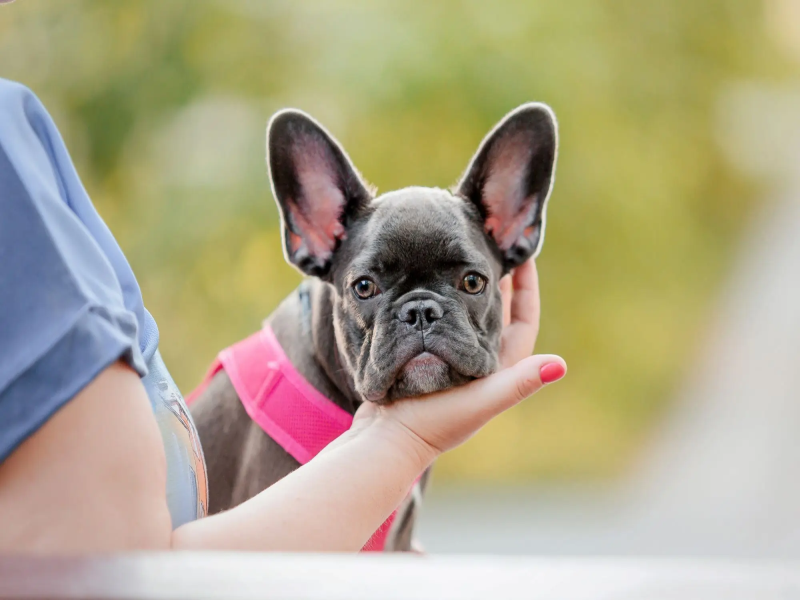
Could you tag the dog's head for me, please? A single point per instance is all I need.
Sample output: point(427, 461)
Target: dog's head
point(414, 272)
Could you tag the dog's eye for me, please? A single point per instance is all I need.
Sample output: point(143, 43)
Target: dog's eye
point(365, 288)
point(474, 283)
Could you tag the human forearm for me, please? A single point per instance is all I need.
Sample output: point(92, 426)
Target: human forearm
point(110, 486)
point(333, 503)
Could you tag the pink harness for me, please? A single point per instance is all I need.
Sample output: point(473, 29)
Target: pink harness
point(288, 408)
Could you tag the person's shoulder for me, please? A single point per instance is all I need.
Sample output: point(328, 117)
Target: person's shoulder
point(23, 118)
point(15, 94)
point(9, 88)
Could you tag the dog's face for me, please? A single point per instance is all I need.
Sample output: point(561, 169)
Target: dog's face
point(414, 272)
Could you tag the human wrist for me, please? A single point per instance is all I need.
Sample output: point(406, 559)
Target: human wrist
point(397, 438)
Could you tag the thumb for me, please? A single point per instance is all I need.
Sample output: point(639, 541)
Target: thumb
point(446, 419)
point(512, 385)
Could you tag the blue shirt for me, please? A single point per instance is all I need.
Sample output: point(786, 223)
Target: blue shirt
point(70, 305)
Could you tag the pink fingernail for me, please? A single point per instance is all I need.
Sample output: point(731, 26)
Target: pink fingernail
point(552, 372)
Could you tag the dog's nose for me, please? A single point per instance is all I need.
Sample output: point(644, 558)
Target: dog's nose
point(421, 313)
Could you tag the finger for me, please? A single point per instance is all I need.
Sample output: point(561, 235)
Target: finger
point(486, 398)
point(506, 294)
point(451, 417)
point(525, 301)
point(519, 336)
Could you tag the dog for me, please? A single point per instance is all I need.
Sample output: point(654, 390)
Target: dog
point(401, 296)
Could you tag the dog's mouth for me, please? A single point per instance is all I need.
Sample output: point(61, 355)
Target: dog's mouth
point(414, 366)
point(423, 370)
point(423, 374)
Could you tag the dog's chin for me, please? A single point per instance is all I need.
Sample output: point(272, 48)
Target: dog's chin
point(424, 374)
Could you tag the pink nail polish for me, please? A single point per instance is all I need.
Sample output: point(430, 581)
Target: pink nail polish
point(552, 372)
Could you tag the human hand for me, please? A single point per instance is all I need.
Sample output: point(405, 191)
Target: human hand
point(435, 423)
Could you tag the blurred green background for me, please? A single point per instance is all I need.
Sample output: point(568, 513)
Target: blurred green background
point(164, 104)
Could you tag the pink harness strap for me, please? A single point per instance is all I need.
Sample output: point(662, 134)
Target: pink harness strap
point(288, 408)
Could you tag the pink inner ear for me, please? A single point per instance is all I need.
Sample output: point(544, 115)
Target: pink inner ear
point(509, 210)
point(316, 215)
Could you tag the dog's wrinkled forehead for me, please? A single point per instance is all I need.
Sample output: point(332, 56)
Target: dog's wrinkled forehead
point(421, 229)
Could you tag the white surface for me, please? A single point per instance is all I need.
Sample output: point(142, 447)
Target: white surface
point(239, 576)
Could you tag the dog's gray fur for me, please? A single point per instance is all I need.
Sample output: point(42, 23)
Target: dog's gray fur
point(422, 331)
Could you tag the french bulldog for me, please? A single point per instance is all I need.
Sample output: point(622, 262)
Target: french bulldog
point(402, 295)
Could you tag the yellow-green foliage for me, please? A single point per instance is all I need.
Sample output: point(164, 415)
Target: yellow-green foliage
point(163, 105)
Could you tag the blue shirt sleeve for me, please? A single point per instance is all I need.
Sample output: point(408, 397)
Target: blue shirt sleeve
point(69, 303)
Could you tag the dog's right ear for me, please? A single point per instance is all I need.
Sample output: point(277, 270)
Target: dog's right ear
point(510, 179)
point(316, 186)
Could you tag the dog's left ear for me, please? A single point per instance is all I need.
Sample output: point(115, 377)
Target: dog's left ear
point(317, 188)
point(510, 178)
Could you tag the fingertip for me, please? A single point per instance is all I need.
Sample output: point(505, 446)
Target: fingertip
point(552, 358)
point(525, 276)
point(549, 368)
point(525, 269)
point(552, 372)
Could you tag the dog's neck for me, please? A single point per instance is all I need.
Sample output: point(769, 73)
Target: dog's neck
point(303, 324)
